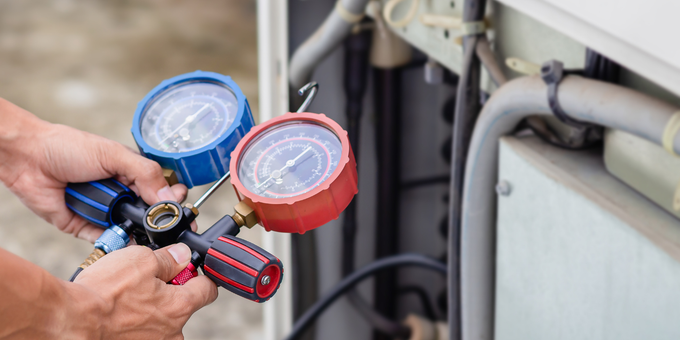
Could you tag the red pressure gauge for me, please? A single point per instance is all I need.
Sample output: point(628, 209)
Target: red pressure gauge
point(297, 171)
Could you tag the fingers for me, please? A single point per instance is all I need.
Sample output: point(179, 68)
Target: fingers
point(146, 174)
point(198, 292)
point(172, 260)
point(180, 191)
point(78, 227)
point(90, 233)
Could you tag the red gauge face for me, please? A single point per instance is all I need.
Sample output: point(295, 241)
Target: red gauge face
point(289, 159)
point(296, 171)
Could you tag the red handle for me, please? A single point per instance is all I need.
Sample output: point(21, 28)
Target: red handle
point(243, 268)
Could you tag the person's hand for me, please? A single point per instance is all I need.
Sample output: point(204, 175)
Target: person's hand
point(132, 298)
point(38, 160)
point(124, 295)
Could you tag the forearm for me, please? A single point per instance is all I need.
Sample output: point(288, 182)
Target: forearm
point(19, 131)
point(36, 305)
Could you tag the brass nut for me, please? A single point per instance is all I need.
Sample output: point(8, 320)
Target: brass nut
point(244, 215)
point(192, 208)
point(159, 210)
point(170, 176)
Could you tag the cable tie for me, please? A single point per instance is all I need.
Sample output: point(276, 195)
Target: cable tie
point(669, 132)
point(346, 14)
point(552, 72)
point(473, 27)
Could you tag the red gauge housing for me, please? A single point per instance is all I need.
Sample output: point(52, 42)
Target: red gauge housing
point(309, 210)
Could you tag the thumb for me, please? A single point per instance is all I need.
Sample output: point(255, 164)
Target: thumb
point(172, 260)
point(146, 174)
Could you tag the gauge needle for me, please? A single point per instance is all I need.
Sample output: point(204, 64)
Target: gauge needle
point(290, 163)
point(187, 120)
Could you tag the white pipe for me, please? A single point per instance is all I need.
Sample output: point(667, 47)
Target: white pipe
point(583, 99)
point(319, 45)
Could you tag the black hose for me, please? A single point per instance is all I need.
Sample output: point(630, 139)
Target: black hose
point(467, 109)
point(353, 279)
point(415, 183)
point(357, 47)
point(387, 92)
point(305, 275)
point(77, 272)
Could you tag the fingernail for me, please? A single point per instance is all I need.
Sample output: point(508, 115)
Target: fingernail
point(180, 252)
point(166, 194)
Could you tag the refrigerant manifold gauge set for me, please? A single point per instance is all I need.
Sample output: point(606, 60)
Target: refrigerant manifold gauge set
point(291, 174)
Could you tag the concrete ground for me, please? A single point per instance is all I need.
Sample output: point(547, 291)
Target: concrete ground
point(86, 64)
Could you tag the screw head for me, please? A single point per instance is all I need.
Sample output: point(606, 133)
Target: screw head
point(265, 280)
point(503, 188)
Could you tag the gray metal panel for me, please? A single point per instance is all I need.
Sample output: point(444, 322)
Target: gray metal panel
point(581, 255)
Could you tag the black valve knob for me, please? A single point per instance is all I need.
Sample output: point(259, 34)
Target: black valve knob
point(243, 268)
point(96, 201)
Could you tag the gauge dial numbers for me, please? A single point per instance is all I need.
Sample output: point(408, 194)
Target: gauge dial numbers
point(191, 123)
point(188, 116)
point(290, 160)
point(296, 171)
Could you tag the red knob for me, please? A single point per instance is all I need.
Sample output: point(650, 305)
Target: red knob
point(243, 268)
point(185, 275)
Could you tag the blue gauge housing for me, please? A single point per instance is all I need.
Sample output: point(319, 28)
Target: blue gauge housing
point(207, 163)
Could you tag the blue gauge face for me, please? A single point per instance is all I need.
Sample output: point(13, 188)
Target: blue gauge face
point(289, 159)
point(188, 116)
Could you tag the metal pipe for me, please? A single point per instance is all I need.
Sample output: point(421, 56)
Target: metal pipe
point(583, 99)
point(327, 37)
point(488, 59)
point(211, 190)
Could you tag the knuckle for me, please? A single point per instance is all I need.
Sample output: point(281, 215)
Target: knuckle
point(151, 169)
point(142, 255)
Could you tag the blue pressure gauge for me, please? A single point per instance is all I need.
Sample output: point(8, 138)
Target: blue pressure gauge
point(191, 123)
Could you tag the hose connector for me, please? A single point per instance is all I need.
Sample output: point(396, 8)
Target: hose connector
point(113, 238)
point(94, 257)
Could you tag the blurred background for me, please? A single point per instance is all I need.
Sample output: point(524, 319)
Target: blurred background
point(86, 64)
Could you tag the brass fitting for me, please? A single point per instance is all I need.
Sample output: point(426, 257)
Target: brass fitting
point(94, 256)
point(170, 177)
point(192, 208)
point(160, 210)
point(244, 215)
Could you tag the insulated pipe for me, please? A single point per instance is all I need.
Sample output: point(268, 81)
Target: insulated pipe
point(329, 35)
point(465, 114)
point(582, 99)
point(485, 54)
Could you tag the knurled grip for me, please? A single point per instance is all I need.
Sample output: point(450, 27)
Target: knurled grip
point(95, 201)
point(243, 268)
point(185, 275)
point(114, 238)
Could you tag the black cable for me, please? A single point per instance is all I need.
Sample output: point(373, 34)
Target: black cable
point(414, 183)
point(77, 272)
point(353, 279)
point(467, 109)
point(357, 47)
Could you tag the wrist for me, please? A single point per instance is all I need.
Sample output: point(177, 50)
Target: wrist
point(20, 136)
point(80, 314)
